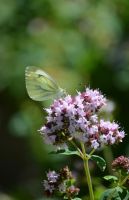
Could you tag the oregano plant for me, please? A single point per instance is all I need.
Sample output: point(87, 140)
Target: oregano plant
point(75, 121)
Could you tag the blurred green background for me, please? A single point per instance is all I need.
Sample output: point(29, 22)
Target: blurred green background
point(78, 42)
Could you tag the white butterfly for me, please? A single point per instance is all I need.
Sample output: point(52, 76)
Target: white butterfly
point(40, 86)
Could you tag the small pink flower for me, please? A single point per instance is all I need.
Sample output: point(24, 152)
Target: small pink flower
point(52, 176)
point(94, 144)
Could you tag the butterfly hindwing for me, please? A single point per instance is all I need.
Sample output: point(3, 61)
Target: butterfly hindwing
point(40, 86)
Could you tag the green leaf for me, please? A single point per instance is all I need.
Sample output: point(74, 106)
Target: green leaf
point(99, 161)
point(76, 198)
point(112, 194)
point(119, 189)
point(127, 196)
point(70, 182)
point(65, 152)
point(65, 197)
point(110, 178)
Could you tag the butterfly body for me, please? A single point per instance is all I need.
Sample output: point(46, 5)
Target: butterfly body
point(40, 86)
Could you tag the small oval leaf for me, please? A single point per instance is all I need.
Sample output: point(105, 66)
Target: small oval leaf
point(99, 161)
point(110, 178)
point(65, 152)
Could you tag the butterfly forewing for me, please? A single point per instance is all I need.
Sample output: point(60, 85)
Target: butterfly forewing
point(40, 86)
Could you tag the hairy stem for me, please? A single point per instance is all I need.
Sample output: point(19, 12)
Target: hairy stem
point(87, 172)
point(124, 180)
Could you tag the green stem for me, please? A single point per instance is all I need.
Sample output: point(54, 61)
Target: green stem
point(87, 172)
point(93, 150)
point(124, 181)
point(76, 147)
point(120, 176)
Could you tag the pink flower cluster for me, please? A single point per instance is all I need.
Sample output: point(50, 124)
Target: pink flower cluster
point(121, 163)
point(52, 178)
point(77, 118)
point(61, 183)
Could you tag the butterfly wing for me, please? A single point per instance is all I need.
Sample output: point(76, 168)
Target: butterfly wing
point(40, 86)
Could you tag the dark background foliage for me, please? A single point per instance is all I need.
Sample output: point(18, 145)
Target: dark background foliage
point(79, 43)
